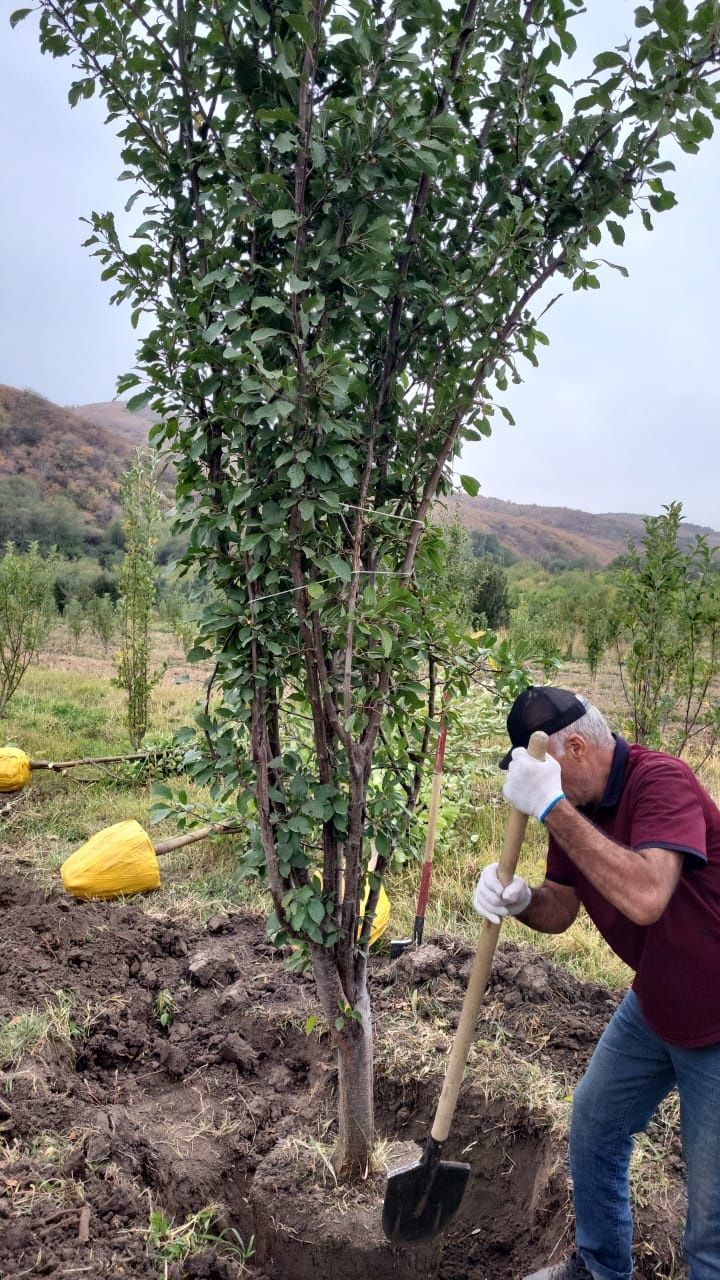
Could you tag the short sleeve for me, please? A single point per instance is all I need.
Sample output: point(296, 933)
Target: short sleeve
point(667, 811)
point(559, 868)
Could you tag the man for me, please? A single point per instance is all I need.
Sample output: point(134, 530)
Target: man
point(635, 838)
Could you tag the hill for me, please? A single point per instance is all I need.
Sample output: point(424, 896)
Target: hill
point(560, 537)
point(59, 473)
point(113, 416)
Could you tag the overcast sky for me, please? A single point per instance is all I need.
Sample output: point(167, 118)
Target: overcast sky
point(622, 414)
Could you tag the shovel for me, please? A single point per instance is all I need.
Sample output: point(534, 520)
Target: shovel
point(398, 945)
point(422, 1199)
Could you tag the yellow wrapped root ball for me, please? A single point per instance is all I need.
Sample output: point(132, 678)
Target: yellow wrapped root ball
point(382, 913)
point(15, 771)
point(381, 918)
point(119, 859)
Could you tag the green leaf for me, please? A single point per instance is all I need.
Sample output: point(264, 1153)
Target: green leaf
point(264, 300)
point(316, 910)
point(665, 200)
point(139, 401)
point(273, 514)
point(259, 14)
point(341, 567)
point(296, 475)
point(604, 61)
point(302, 26)
point(198, 654)
point(283, 407)
point(470, 485)
point(616, 231)
point(386, 641)
point(282, 66)
point(213, 331)
point(18, 16)
point(283, 217)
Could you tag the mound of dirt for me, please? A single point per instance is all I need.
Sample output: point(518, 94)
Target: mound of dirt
point(158, 1063)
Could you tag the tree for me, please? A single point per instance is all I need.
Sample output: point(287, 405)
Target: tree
point(668, 616)
point(27, 611)
point(454, 580)
point(102, 619)
point(489, 594)
point(74, 618)
point(349, 215)
point(595, 638)
point(140, 504)
point(488, 545)
point(475, 586)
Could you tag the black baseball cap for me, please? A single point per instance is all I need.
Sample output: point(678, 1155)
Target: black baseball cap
point(540, 707)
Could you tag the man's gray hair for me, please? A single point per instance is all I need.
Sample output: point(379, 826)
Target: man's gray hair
point(593, 727)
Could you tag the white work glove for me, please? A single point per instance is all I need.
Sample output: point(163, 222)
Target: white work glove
point(493, 902)
point(533, 786)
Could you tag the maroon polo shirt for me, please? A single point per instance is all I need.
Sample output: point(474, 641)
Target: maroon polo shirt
point(655, 801)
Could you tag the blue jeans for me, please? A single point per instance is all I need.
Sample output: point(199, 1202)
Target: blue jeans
point(629, 1074)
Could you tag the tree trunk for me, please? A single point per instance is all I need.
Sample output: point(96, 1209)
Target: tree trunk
point(356, 1119)
point(354, 1044)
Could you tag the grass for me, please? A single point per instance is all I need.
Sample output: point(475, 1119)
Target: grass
point(59, 1025)
point(168, 1242)
point(495, 1070)
point(46, 1148)
point(66, 713)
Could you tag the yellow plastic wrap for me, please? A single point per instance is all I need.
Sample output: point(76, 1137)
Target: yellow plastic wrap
point(119, 859)
point(382, 913)
point(15, 771)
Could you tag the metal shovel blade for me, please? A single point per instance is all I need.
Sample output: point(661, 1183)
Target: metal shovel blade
point(422, 1199)
point(398, 946)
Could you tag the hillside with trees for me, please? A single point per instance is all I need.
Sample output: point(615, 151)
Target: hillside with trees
point(59, 474)
point(560, 537)
point(61, 470)
point(61, 467)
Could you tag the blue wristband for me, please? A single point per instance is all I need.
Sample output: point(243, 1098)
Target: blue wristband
point(551, 806)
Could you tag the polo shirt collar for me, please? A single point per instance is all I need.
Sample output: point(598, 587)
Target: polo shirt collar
point(616, 776)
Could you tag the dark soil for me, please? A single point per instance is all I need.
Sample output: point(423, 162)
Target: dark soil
point(129, 1117)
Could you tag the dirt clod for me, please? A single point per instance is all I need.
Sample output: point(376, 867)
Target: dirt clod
point(236, 1049)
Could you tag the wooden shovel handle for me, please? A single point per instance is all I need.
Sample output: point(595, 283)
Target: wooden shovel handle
point(59, 765)
point(425, 874)
point(482, 965)
point(191, 837)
